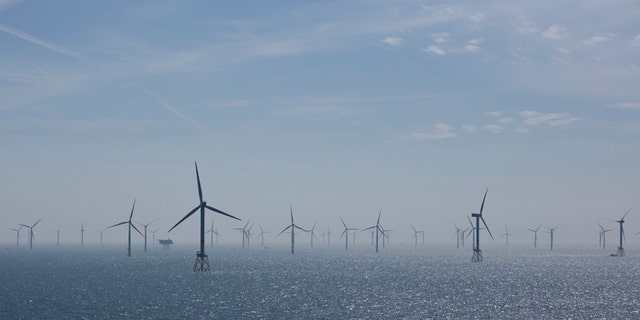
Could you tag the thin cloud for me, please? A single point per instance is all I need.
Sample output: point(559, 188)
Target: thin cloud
point(505, 120)
point(392, 41)
point(627, 105)
point(534, 118)
point(494, 128)
point(441, 131)
point(469, 128)
point(473, 45)
point(599, 38)
point(435, 50)
point(555, 32)
point(43, 43)
point(441, 37)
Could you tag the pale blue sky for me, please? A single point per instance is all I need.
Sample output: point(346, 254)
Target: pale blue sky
point(340, 108)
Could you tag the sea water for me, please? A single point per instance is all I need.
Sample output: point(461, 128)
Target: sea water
point(424, 282)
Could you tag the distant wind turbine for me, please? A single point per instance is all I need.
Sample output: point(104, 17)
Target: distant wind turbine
point(261, 235)
point(378, 230)
point(245, 233)
point(458, 231)
point(551, 233)
point(603, 236)
point(153, 232)
point(346, 234)
point(292, 226)
point(535, 235)
point(313, 233)
point(82, 230)
point(415, 235)
point(208, 231)
point(58, 236)
point(506, 235)
point(145, 232)
point(130, 225)
point(202, 260)
point(31, 236)
point(17, 235)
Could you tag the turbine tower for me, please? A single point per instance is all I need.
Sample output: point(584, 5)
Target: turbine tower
point(551, 232)
point(58, 236)
point(313, 233)
point(535, 235)
point(17, 235)
point(621, 222)
point(378, 230)
point(346, 234)
point(458, 231)
point(130, 225)
point(82, 230)
point(202, 260)
point(153, 232)
point(415, 235)
point(293, 226)
point(31, 232)
point(477, 253)
point(245, 233)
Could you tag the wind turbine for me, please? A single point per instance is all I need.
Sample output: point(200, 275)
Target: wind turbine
point(101, 231)
point(415, 235)
point(458, 231)
point(378, 230)
point(17, 235)
point(551, 232)
point(130, 225)
point(477, 253)
point(261, 235)
point(210, 230)
point(329, 237)
point(293, 226)
point(145, 232)
point(202, 260)
point(58, 236)
point(506, 235)
point(621, 222)
point(153, 232)
point(535, 235)
point(245, 234)
point(31, 237)
point(603, 236)
point(346, 234)
point(313, 233)
point(82, 230)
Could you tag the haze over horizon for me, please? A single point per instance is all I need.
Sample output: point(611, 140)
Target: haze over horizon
point(337, 108)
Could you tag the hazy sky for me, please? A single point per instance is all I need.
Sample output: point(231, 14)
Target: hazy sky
point(338, 108)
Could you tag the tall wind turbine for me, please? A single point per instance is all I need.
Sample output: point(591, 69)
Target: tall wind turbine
point(58, 236)
point(378, 230)
point(551, 232)
point(130, 225)
point(621, 222)
point(535, 235)
point(145, 232)
point(458, 231)
point(31, 237)
point(477, 253)
point(293, 226)
point(506, 235)
point(346, 234)
point(245, 233)
point(82, 230)
point(202, 260)
point(17, 235)
point(415, 235)
point(210, 230)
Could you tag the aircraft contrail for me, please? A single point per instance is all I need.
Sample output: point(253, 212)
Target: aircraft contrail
point(71, 54)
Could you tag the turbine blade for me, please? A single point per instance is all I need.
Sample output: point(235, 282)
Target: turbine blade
point(285, 229)
point(486, 226)
point(185, 217)
point(483, 198)
point(342, 234)
point(134, 205)
point(379, 213)
point(199, 186)
point(303, 229)
point(134, 227)
point(369, 228)
point(221, 212)
point(34, 225)
point(291, 211)
point(118, 224)
point(344, 224)
point(626, 213)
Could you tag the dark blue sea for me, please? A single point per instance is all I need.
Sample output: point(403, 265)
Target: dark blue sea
point(432, 282)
